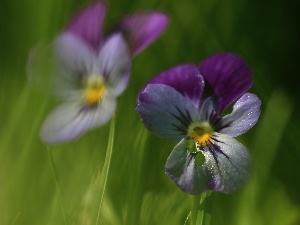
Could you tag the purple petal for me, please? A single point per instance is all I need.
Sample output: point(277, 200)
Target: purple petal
point(70, 120)
point(183, 170)
point(87, 23)
point(244, 116)
point(143, 28)
point(165, 112)
point(186, 79)
point(115, 63)
point(228, 75)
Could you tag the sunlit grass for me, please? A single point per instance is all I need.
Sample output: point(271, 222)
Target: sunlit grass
point(137, 191)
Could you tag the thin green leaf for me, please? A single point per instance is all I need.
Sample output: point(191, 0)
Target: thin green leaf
point(106, 165)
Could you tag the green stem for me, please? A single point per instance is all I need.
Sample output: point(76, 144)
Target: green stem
point(205, 208)
point(106, 165)
point(187, 219)
point(137, 180)
point(195, 200)
point(201, 208)
point(57, 185)
point(15, 219)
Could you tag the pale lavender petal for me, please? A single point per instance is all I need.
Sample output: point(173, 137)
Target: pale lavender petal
point(166, 112)
point(71, 119)
point(244, 116)
point(208, 111)
point(183, 170)
point(186, 79)
point(143, 28)
point(228, 75)
point(87, 24)
point(227, 164)
point(115, 62)
point(74, 56)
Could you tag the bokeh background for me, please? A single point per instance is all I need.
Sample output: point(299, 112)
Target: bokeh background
point(138, 192)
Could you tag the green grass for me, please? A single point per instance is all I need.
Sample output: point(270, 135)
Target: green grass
point(137, 190)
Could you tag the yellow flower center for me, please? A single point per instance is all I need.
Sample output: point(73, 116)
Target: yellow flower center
point(93, 96)
point(94, 90)
point(200, 133)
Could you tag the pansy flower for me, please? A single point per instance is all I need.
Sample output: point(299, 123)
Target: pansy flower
point(92, 69)
point(187, 103)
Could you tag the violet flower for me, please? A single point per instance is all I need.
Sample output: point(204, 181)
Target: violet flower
point(173, 105)
point(93, 70)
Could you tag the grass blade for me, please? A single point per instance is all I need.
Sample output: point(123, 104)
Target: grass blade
point(106, 165)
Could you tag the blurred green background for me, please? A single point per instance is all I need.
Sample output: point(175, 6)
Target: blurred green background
point(138, 192)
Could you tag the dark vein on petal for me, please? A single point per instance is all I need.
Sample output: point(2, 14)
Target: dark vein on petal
point(182, 118)
point(235, 164)
point(225, 125)
point(214, 149)
point(189, 116)
point(178, 128)
point(187, 120)
point(211, 114)
point(219, 150)
point(216, 160)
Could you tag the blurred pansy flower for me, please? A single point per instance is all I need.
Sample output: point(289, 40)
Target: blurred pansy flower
point(176, 105)
point(91, 69)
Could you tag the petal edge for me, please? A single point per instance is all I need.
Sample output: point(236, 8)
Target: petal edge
point(185, 78)
point(87, 23)
point(143, 28)
point(228, 75)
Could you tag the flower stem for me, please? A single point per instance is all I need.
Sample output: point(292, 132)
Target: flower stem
point(195, 200)
point(201, 207)
point(205, 208)
point(106, 164)
point(57, 185)
point(135, 198)
point(16, 217)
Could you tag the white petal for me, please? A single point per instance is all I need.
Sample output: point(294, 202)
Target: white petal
point(182, 169)
point(75, 56)
point(70, 120)
point(227, 164)
point(244, 116)
point(115, 61)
